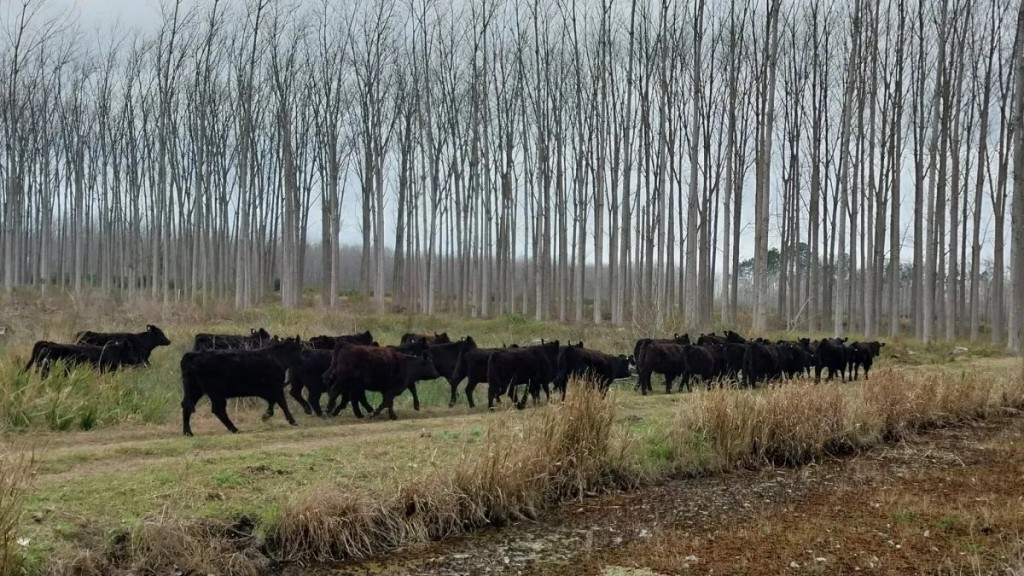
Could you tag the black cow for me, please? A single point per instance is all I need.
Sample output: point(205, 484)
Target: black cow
point(794, 359)
point(223, 374)
point(732, 355)
point(355, 369)
point(109, 356)
point(734, 338)
point(708, 339)
point(864, 354)
point(329, 342)
point(144, 342)
point(308, 374)
point(830, 354)
point(257, 338)
point(441, 338)
point(664, 358)
point(446, 359)
point(575, 361)
point(700, 361)
point(471, 365)
point(530, 365)
point(676, 339)
point(761, 362)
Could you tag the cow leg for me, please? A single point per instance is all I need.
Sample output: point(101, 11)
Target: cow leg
point(270, 411)
point(470, 387)
point(296, 393)
point(669, 377)
point(415, 397)
point(644, 381)
point(533, 391)
point(359, 400)
point(454, 395)
point(220, 410)
point(386, 402)
point(314, 402)
point(188, 406)
point(283, 403)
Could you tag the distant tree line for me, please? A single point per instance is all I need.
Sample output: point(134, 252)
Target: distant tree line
point(600, 160)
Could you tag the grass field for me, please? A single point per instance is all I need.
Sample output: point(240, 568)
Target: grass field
point(110, 468)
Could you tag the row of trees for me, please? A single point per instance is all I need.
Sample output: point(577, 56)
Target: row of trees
point(604, 160)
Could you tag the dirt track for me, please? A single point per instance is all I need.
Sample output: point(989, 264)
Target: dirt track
point(949, 501)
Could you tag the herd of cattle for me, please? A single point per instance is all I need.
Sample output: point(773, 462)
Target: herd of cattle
point(224, 366)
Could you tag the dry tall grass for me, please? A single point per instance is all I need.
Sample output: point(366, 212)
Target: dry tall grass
point(15, 480)
point(528, 462)
point(796, 423)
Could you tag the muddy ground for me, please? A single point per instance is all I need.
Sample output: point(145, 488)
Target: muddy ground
point(949, 501)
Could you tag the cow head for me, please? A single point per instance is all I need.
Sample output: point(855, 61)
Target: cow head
point(441, 338)
point(681, 338)
point(423, 367)
point(468, 343)
point(157, 336)
point(365, 338)
point(734, 338)
point(259, 335)
point(286, 352)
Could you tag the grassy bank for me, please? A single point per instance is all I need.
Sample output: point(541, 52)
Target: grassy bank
point(133, 500)
point(115, 488)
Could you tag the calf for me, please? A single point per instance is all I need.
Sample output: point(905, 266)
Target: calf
point(794, 359)
point(530, 365)
point(700, 361)
point(441, 338)
point(223, 374)
point(831, 354)
point(471, 365)
point(109, 356)
point(144, 342)
point(329, 342)
point(732, 356)
point(863, 354)
point(676, 339)
point(661, 358)
point(761, 361)
point(355, 369)
point(257, 338)
point(446, 359)
point(308, 374)
point(575, 361)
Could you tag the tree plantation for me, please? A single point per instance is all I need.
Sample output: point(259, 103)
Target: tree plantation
point(844, 167)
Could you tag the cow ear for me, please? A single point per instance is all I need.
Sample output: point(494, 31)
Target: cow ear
point(150, 327)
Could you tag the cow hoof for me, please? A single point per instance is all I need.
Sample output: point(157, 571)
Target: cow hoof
point(293, 423)
point(236, 431)
point(392, 417)
point(308, 412)
point(451, 404)
point(188, 434)
point(266, 417)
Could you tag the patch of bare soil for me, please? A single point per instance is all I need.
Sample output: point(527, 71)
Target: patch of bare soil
point(950, 501)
